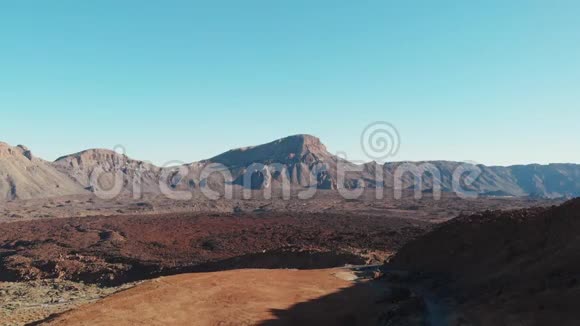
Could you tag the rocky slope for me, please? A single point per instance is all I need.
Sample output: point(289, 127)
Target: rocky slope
point(23, 176)
point(23, 303)
point(102, 170)
point(508, 266)
point(534, 180)
point(299, 160)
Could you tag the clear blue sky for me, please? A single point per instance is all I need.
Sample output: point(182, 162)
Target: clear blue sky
point(497, 82)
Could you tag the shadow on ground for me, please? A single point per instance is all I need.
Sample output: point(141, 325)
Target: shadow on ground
point(363, 303)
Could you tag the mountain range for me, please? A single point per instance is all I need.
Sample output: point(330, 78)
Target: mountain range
point(300, 161)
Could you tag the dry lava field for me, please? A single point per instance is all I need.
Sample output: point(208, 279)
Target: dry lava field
point(61, 253)
point(119, 249)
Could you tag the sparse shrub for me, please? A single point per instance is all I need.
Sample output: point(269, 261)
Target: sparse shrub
point(210, 244)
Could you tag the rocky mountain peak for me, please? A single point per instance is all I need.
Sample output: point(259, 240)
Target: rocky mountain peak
point(18, 151)
point(292, 149)
point(303, 144)
point(91, 154)
point(93, 157)
point(22, 176)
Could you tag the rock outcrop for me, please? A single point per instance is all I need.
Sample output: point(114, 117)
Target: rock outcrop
point(104, 170)
point(23, 176)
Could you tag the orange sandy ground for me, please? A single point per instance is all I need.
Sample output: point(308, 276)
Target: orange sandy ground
point(239, 297)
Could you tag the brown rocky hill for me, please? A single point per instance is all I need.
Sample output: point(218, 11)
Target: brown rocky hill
point(101, 169)
point(299, 160)
point(293, 149)
point(519, 265)
point(24, 176)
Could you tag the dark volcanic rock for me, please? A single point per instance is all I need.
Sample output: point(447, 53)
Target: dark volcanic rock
point(521, 264)
point(114, 250)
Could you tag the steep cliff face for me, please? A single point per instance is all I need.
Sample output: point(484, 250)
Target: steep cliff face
point(23, 176)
